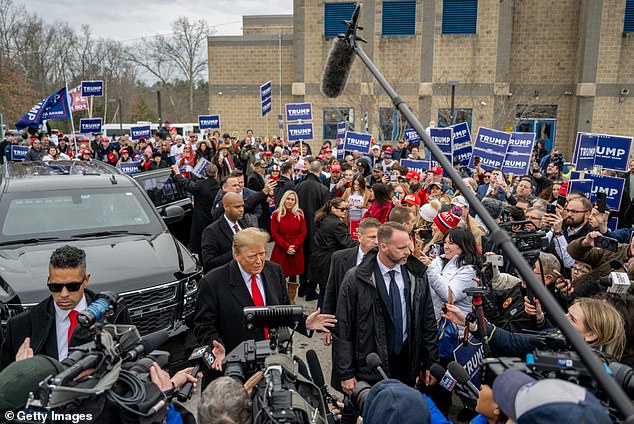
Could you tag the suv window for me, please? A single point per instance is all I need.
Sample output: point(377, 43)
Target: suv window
point(161, 187)
point(68, 212)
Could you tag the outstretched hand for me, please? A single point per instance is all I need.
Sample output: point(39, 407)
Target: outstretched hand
point(320, 322)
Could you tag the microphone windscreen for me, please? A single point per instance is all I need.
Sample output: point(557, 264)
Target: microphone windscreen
point(458, 372)
point(154, 341)
point(373, 360)
point(315, 368)
point(338, 66)
point(437, 371)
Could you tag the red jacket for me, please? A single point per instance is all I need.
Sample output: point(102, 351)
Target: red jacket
point(290, 231)
point(382, 213)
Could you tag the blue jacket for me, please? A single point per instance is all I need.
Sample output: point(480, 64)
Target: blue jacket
point(484, 188)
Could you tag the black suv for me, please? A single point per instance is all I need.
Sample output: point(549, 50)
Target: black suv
point(95, 207)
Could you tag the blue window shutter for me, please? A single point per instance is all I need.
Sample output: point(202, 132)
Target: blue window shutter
point(628, 25)
point(334, 13)
point(459, 16)
point(399, 18)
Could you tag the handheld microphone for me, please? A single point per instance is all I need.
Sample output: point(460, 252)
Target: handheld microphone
point(445, 380)
point(204, 358)
point(374, 362)
point(462, 378)
point(318, 376)
point(148, 344)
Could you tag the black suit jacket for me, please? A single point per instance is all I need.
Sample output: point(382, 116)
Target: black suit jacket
point(38, 323)
point(222, 294)
point(341, 262)
point(216, 243)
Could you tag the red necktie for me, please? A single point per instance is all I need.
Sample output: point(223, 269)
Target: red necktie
point(72, 316)
point(258, 300)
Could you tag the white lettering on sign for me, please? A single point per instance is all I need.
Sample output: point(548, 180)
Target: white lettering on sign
point(441, 140)
point(460, 134)
point(89, 88)
point(139, 132)
point(492, 140)
point(97, 125)
point(32, 114)
point(610, 192)
point(586, 151)
point(356, 142)
point(299, 111)
point(209, 121)
point(520, 142)
point(266, 91)
point(300, 131)
point(464, 156)
point(491, 162)
point(514, 163)
point(610, 151)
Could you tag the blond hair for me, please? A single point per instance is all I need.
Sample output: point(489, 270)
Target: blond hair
point(281, 209)
point(249, 237)
point(606, 323)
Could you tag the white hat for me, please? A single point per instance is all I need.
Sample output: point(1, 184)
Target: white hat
point(459, 201)
point(428, 212)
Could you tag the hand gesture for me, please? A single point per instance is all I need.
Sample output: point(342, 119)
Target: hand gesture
point(424, 259)
point(219, 354)
point(565, 286)
point(534, 310)
point(25, 351)
point(320, 322)
point(160, 377)
point(454, 314)
point(269, 187)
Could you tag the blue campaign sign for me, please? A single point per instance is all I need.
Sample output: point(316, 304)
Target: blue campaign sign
point(265, 97)
point(584, 186)
point(516, 164)
point(463, 153)
point(585, 149)
point(140, 131)
point(207, 122)
point(576, 175)
point(613, 152)
point(266, 106)
point(419, 166)
point(358, 142)
point(495, 140)
point(18, 152)
point(298, 132)
point(299, 112)
point(488, 160)
point(470, 357)
point(521, 143)
point(341, 153)
point(611, 186)
point(130, 167)
point(342, 127)
point(461, 134)
point(411, 136)
point(443, 138)
point(92, 88)
point(89, 126)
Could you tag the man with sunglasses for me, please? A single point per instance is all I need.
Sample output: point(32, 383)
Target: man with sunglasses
point(48, 327)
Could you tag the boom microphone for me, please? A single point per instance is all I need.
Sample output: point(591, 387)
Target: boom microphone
point(462, 377)
point(374, 362)
point(338, 67)
point(148, 344)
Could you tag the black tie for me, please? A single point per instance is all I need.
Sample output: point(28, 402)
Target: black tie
point(397, 310)
point(236, 229)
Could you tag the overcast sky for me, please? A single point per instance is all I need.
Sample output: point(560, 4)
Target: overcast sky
point(132, 19)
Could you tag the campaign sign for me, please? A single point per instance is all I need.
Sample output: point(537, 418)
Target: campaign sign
point(443, 138)
point(18, 152)
point(411, 136)
point(521, 143)
point(585, 148)
point(92, 88)
point(199, 169)
point(340, 150)
point(265, 97)
point(266, 106)
point(462, 147)
point(140, 131)
point(613, 223)
point(576, 175)
point(298, 132)
point(89, 126)
point(299, 112)
point(613, 152)
point(611, 186)
point(130, 167)
point(420, 166)
point(495, 140)
point(488, 160)
point(358, 142)
point(470, 356)
point(584, 186)
point(342, 127)
point(463, 153)
point(207, 122)
point(516, 164)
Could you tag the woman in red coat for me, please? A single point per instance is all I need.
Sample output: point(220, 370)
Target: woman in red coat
point(288, 229)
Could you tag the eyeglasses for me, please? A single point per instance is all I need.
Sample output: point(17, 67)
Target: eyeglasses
point(73, 286)
point(574, 211)
point(487, 176)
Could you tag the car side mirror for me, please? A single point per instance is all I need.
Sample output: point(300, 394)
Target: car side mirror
point(173, 214)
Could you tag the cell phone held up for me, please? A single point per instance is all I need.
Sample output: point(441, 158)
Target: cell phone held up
point(602, 202)
point(551, 208)
point(561, 200)
point(606, 243)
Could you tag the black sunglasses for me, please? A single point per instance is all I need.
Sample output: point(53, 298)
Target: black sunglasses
point(73, 286)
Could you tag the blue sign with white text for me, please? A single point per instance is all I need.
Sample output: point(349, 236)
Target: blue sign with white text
point(613, 152)
point(463, 153)
point(521, 143)
point(584, 186)
point(18, 152)
point(130, 167)
point(494, 140)
point(443, 138)
point(488, 160)
point(420, 166)
point(298, 132)
point(207, 122)
point(585, 148)
point(299, 112)
point(140, 131)
point(470, 356)
point(516, 164)
point(411, 136)
point(611, 186)
point(92, 88)
point(265, 97)
point(342, 127)
point(90, 126)
point(358, 142)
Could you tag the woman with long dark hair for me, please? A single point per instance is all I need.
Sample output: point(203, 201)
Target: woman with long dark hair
point(204, 151)
point(382, 204)
point(454, 270)
point(331, 235)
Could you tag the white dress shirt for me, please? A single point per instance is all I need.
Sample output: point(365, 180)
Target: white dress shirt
point(246, 277)
point(360, 256)
point(401, 288)
point(231, 224)
point(62, 323)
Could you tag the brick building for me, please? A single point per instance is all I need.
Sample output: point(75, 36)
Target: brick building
point(555, 67)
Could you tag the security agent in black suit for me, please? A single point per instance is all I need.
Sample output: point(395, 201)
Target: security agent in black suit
point(44, 329)
point(218, 237)
point(248, 280)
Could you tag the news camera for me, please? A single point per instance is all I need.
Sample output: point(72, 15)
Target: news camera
point(285, 393)
point(109, 374)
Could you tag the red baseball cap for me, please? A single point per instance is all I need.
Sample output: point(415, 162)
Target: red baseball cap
point(335, 168)
point(436, 170)
point(327, 150)
point(412, 199)
point(295, 149)
point(388, 150)
point(268, 153)
point(85, 152)
point(412, 175)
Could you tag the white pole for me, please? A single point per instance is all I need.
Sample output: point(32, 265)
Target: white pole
point(70, 112)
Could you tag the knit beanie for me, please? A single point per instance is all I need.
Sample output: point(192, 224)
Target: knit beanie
point(428, 212)
point(446, 221)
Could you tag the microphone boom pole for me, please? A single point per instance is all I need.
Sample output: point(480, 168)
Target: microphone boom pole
point(498, 235)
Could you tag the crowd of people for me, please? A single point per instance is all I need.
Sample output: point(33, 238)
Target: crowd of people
point(388, 252)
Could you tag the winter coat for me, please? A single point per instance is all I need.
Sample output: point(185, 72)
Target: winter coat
point(289, 231)
point(312, 195)
point(380, 212)
point(331, 235)
point(443, 274)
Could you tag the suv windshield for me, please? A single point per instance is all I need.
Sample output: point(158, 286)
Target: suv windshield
point(65, 213)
